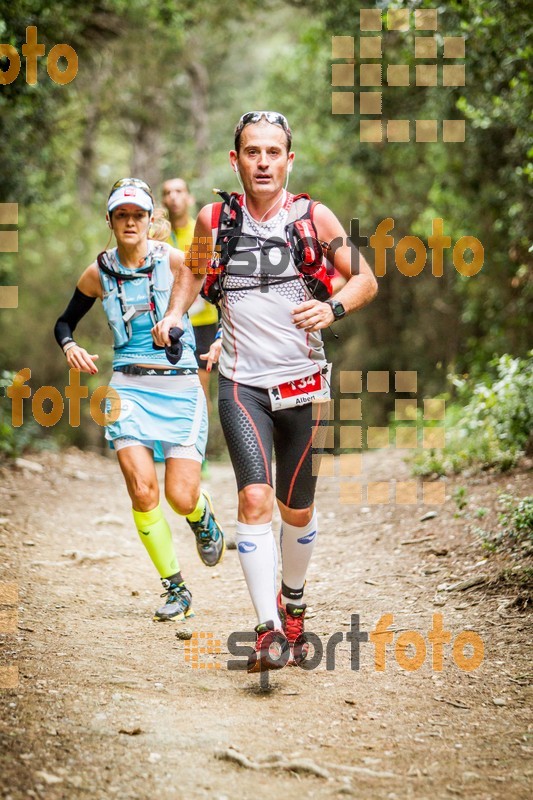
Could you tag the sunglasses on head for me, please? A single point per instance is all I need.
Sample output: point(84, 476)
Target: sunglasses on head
point(255, 116)
point(137, 182)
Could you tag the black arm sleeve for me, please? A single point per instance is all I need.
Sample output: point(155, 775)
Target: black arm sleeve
point(76, 309)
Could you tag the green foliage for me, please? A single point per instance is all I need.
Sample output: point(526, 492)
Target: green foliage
point(460, 497)
point(13, 441)
point(516, 519)
point(514, 527)
point(491, 424)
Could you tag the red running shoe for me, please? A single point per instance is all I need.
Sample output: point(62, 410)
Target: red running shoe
point(272, 649)
point(292, 617)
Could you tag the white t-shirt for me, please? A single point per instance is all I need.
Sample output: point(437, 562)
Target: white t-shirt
point(261, 346)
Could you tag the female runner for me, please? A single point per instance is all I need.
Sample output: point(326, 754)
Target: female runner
point(162, 407)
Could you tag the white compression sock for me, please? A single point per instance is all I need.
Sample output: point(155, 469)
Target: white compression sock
point(259, 561)
point(297, 545)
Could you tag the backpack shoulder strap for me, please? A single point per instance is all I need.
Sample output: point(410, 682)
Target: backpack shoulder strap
point(300, 208)
point(226, 220)
point(313, 205)
point(216, 212)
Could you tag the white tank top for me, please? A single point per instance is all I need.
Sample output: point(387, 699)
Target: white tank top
point(261, 345)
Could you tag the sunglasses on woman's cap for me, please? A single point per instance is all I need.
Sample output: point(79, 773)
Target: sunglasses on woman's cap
point(136, 182)
point(131, 190)
point(271, 116)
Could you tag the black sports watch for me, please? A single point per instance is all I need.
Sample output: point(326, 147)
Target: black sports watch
point(338, 309)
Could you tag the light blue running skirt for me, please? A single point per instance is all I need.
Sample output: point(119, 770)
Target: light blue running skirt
point(159, 408)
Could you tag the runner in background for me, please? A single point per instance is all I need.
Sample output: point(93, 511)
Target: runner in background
point(203, 315)
point(162, 406)
point(273, 374)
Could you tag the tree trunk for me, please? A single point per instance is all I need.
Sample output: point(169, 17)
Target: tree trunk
point(147, 150)
point(199, 78)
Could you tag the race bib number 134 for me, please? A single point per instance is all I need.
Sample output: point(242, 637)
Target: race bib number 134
point(312, 389)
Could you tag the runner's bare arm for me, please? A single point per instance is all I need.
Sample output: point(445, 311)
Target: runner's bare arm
point(360, 287)
point(89, 283)
point(188, 278)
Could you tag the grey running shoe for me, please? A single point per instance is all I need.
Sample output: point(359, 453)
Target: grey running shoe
point(177, 605)
point(209, 535)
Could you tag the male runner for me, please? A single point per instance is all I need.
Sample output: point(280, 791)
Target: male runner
point(271, 340)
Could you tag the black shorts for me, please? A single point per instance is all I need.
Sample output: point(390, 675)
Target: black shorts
point(205, 336)
point(252, 429)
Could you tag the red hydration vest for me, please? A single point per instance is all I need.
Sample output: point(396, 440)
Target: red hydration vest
point(300, 236)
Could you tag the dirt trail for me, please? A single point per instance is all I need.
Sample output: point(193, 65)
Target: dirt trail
point(108, 707)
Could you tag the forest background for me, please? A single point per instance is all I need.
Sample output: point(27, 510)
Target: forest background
point(159, 89)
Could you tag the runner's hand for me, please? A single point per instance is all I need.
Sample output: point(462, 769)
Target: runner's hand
point(78, 358)
point(313, 315)
point(213, 355)
point(161, 329)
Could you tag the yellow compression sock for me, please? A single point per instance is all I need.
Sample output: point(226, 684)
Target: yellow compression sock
point(156, 537)
point(197, 514)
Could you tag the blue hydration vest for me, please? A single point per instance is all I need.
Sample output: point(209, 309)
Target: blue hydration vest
point(144, 292)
